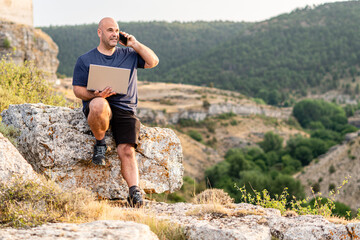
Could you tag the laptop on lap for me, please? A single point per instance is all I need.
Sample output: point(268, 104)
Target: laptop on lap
point(101, 77)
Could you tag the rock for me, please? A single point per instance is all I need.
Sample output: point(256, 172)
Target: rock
point(306, 227)
point(114, 230)
point(12, 164)
point(27, 43)
point(199, 114)
point(246, 221)
point(57, 142)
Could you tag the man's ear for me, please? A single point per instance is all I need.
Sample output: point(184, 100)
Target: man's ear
point(99, 32)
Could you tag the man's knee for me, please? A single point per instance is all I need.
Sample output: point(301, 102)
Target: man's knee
point(99, 106)
point(126, 152)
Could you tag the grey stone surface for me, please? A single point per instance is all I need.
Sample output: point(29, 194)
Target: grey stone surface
point(111, 230)
point(12, 163)
point(246, 221)
point(57, 142)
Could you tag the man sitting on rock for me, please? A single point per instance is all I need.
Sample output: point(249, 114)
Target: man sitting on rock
point(104, 108)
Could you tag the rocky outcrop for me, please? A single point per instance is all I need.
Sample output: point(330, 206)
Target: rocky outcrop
point(57, 142)
point(26, 43)
point(115, 230)
point(161, 117)
point(246, 221)
point(12, 164)
point(201, 222)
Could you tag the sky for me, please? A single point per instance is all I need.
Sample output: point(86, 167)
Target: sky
point(73, 12)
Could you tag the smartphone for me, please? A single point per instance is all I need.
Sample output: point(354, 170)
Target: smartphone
point(123, 39)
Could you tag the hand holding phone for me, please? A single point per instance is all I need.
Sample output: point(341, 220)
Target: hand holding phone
point(123, 39)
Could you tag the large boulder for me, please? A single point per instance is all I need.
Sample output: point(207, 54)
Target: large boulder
point(12, 164)
point(58, 143)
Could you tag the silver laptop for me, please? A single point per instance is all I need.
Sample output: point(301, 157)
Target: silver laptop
point(101, 77)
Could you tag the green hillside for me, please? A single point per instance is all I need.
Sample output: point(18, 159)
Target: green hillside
point(175, 43)
point(308, 48)
point(286, 56)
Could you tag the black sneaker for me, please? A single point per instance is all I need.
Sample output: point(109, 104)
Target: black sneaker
point(99, 155)
point(135, 198)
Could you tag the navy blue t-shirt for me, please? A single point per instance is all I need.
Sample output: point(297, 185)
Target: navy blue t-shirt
point(122, 58)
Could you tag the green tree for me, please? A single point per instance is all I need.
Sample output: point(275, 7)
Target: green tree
point(271, 142)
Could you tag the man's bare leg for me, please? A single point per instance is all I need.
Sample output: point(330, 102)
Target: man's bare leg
point(99, 120)
point(130, 172)
point(129, 167)
point(99, 117)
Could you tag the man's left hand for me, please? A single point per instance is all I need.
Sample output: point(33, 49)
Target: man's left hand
point(131, 40)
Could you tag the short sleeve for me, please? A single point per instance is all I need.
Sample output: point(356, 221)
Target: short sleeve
point(141, 62)
point(81, 73)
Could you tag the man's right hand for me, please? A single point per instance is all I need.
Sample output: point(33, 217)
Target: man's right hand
point(107, 92)
point(86, 95)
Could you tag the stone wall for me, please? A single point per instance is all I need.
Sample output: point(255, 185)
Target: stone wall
point(17, 11)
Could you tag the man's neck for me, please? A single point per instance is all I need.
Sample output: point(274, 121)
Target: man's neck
point(106, 51)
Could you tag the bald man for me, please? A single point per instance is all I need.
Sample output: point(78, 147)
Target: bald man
point(106, 108)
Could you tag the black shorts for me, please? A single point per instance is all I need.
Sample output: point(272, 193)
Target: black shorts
point(125, 126)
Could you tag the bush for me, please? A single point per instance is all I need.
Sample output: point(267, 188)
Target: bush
point(10, 133)
point(195, 135)
point(6, 43)
point(309, 110)
point(332, 169)
point(213, 196)
point(25, 84)
point(271, 142)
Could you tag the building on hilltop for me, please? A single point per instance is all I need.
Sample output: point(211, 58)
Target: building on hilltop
point(18, 11)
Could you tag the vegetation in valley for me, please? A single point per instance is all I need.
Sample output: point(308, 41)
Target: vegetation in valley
point(271, 165)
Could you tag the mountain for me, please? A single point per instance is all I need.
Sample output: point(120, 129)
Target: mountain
point(314, 49)
point(308, 48)
point(175, 43)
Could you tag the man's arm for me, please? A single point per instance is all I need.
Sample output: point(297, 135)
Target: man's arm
point(86, 95)
point(150, 58)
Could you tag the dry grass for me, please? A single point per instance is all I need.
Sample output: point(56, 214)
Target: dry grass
point(213, 196)
point(220, 211)
point(341, 220)
point(217, 203)
point(104, 211)
point(26, 204)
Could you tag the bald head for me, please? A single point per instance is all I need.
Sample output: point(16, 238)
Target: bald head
point(107, 21)
point(108, 32)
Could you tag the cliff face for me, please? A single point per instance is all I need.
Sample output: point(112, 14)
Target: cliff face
point(26, 43)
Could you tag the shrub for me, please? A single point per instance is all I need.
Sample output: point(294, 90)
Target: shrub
point(25, 84)
point(316, 187)
point(332, 169)
point(10, 133)
point(332, 187)
point(216, 196)
point(226, 116)
point(271, 142)
point(195, 135)
point(309, 110)
point(206, 104)
point(6, 43)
